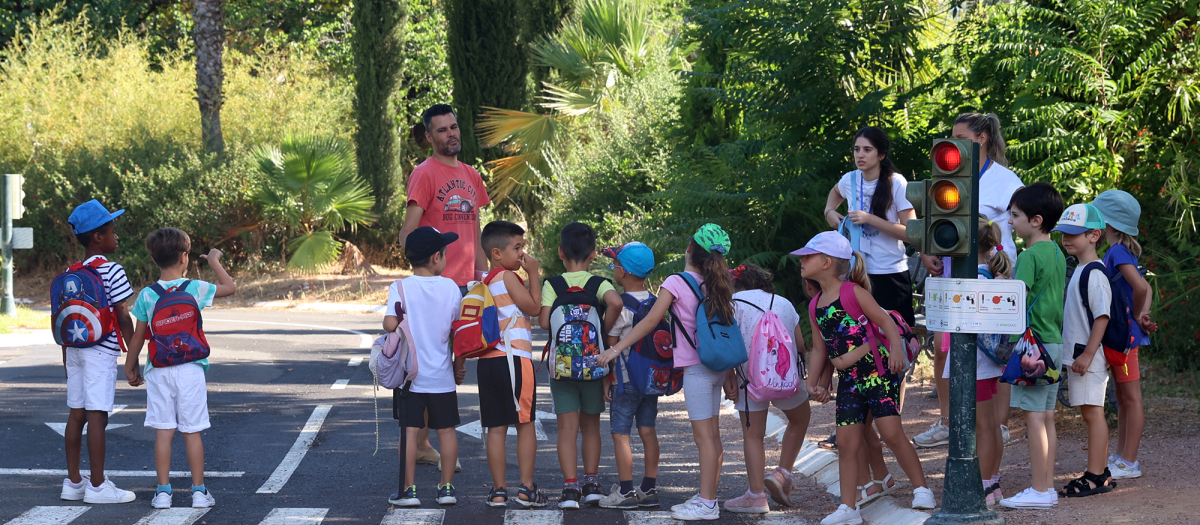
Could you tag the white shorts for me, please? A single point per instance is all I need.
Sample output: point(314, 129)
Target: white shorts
point(702, 392)
point(177, 398)
point(1089, 388)
point(785, 404)
point(91, 379)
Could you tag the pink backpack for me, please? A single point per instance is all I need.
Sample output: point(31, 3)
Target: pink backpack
point(875, 334)
point(394, 356)
point(774, 370)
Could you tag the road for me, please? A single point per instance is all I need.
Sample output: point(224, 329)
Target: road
point(279, 381)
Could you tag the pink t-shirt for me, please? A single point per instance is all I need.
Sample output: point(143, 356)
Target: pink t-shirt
point(684, 306)
point(451, 198)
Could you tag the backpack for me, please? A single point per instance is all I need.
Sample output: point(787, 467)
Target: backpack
point(176, 328)
point(79, 308)
point(774, 368)
point(393, 358)
point(1118, 337)
point(875, 334)
point(718, 344)
point(651, 362)
point(576, 336)
point(477, 330)
point(989, 343)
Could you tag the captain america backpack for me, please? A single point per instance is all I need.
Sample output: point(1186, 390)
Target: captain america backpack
point(177, 331)
point(79, 308)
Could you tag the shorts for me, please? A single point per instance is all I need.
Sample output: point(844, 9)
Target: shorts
point(1038, 398)
point(747, 404)
point(879, 395)
point(702, 392)
point(986, 389)
point(893, 291)
point(574, 396)
point(1131, 371)
point(91, 379)
point(177, 398)
point(496, 403)
point(1090, 388)
point(442, 409)
point(630, 406)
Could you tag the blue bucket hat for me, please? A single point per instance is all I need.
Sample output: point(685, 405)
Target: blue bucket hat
point(1120, 210)
point(91, 215)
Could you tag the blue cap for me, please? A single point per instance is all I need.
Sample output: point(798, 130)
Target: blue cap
point(1079, 218)
point(91, 215)
point(635, 257)
point(1120, 210)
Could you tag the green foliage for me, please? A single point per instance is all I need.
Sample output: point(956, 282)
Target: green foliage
point(542, 19)
point(377, 43)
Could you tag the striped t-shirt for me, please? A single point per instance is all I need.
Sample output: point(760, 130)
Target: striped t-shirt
point(511, 318)
point(116, 285)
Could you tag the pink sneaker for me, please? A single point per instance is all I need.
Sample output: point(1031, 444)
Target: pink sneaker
point(748, 503)
point(779, 484)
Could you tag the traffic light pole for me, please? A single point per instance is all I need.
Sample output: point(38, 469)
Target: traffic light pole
point(8, 306)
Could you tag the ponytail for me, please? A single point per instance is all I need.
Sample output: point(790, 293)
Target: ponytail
point(857, 274)
point(990, 240)
point(979, 124)
point(882, 200)
point(718, 287)
point(1130, 243)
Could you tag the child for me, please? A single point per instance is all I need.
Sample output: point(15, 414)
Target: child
point(1082, 227)
point(754, 295)
point(1043, 268)
point(92, 371)
point(432, 304)
point(578, 404)
point(631, 264)
point(176, 396)
point(500, 402)
point(1121, 213)
point(702, 388)
point(863, 393)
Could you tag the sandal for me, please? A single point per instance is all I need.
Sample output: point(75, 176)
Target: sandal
point(533, 497)
point(864, 496)
point(497, 493)
point(829, 444)
point(1089, 484)
point(884, 483)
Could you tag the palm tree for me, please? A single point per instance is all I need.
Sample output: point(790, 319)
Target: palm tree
point(313, 190)
point(210, 74)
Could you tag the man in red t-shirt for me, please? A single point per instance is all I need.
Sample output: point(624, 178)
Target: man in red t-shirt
point(447, 195)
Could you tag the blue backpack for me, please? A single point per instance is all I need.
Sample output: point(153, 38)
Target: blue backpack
point(1118, 337)
point(651, 362)
point(718, 341)
point(990, 344)
point(79, 308)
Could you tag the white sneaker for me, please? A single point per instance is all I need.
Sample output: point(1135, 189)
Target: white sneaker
point(697, 511)
point(844, 515)
point(1005, 437)
point(690, 501)
point(1032, 499)
point(202, 500)
point(938, 434)
point(72, 493)
point(1119, 470)
point(923, 499)
point(107, 493)
point(162, 500)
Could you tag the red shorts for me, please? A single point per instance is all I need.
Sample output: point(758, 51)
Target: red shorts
point(1129, 372)
point(986, 388)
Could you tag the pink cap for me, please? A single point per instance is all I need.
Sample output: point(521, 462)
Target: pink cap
point(829, 243)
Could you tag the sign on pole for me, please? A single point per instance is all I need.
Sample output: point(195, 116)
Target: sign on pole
point(22, 238)
point(980, 306)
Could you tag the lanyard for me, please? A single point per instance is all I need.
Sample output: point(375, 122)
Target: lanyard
point(985, 167)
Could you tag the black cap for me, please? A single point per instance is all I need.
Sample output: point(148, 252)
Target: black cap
point(425, 241)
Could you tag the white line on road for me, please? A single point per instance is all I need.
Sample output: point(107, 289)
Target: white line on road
point(49, 516)
point(414, 517)
point(533, 517)
point(365, 340)
point(61, 428)
point(354, 361)
point(475, 428)
point(635, 517)
point(292, 460)
point(294, 517)
point(118, 473)
point(340, 384)
point(173, 516)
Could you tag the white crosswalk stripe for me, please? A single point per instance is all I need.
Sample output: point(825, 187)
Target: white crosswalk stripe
point(49, 516)
point(414, 517)
point(173, 516)
point(533, 517)
point(294, 517)
point(340, 384)
point(639, 517)
point(292, 460)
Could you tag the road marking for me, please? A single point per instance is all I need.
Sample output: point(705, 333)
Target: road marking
point(354, 361)
point(475, 428)
point(173, 516)
point(340, 384)
point(294, 516)
point(61, 428)
point(292, 460)
point(636, 517)
point(49, 516)
point(886, 510)
point(533, 517)
point(117, 473)
point(365, 340)
point(414, 517)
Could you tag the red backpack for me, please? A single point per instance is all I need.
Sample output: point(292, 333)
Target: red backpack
point(177, 331)
point(80, 311)
point(912, 345)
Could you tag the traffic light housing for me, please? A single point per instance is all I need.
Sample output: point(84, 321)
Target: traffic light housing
point(945, 201)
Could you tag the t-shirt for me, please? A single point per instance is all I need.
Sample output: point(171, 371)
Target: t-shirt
point(1113, 259)
point(1044, 270)
point(684, 308)
point(624, 325)
point(884, 254)
point(431, 308)
point(573, 279)
point(116, 285)
point(1076, 329)
point(996, 188)
point(143, 307)
point(451, 198)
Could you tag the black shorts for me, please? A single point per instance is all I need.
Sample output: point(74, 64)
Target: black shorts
point(893, 291)
point(497, 407)
point(442, 408)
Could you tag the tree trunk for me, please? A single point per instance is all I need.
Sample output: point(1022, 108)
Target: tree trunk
point(210, 73)
point(376, 45)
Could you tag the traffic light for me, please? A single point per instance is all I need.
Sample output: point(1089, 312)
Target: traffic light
point(14, 188)
point(944, 201)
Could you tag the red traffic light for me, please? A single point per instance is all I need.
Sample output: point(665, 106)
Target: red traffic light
point(947, 157)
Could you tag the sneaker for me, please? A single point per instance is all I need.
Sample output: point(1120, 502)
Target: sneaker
point(72, 492)
point(1005, 437)
point(1032, 499)
point(646, 499)
point(779, 484)
point(698, 511)
point(592, 493)
point(202, 500)
point(844, 515)
point(446, 495)
point(570, 498)
point(994, 495)
point(690, 501)
point(616, 500)
point(937, 435)
point(162, 500)
point(748, 503)
point(923, 499)
point(407, 499)
point(1119, 469)
point(107, 493)
point(429, 456)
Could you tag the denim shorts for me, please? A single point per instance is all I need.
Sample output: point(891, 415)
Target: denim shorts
point(629, 406)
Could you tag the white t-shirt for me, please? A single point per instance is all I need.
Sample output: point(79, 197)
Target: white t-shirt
point(623, 326)
point(996, 188)
point(434, 307)
point(884, 253)
point(747, 316)
point(1076, 329)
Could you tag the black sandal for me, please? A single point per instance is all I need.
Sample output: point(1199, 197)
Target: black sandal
point(1089, 484)
point(533, 497)
point(829, 444)
point(497, 493)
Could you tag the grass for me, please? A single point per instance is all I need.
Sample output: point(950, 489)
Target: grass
point(26, 319)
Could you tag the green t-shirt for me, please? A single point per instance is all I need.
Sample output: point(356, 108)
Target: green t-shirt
point(579, 279)
point(1044, 270)
point(143, 307)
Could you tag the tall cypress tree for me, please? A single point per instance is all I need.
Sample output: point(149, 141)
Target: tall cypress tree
point(487, 61)
point(376, 45)
point(542, 18)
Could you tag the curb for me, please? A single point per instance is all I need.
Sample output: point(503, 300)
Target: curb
point(31, 338)
point(356, 308)
point(822, 466)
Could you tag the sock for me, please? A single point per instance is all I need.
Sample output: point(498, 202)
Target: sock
point(987, 483)
point(571, 483)
point(75, 485)
point(648, 483)
point(164, 488)
point(591, 478)
point(710, 503)
point(200, 489)
point(762, 494)
point(626, 486)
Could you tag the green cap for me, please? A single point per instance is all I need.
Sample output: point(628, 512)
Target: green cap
point(713, 239)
